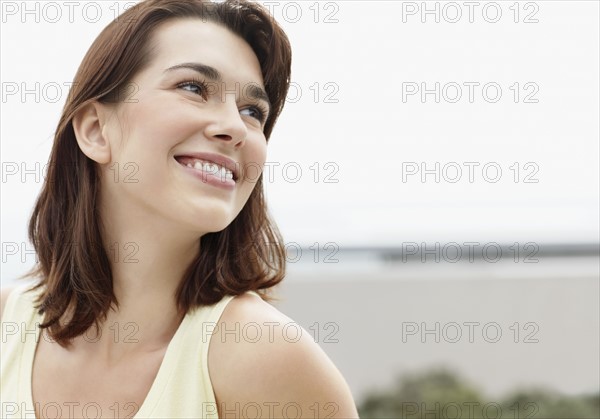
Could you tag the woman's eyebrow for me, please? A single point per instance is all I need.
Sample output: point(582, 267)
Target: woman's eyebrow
point(208, 71)
point(254, 91)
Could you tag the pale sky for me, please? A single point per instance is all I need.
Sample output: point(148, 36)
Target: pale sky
point(365, 64)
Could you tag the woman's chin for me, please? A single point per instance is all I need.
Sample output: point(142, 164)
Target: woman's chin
point(212, 222)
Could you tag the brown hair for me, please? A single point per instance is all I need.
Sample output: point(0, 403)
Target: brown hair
point(74, 272)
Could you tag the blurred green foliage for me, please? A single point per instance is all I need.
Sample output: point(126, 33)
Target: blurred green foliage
point(442, 394)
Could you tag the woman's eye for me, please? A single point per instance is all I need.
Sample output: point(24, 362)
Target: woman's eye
point(193, 87)
point(256, 113)
point(201, 89)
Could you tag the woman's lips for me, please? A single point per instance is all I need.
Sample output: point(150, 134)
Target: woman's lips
point(218, 159)
point(209, 173)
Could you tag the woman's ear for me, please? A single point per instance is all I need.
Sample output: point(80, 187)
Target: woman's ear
point(88, 125)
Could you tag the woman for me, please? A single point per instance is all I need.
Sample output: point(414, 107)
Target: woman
point(153, 236)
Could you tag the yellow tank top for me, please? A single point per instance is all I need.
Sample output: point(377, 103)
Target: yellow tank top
point(181, 389)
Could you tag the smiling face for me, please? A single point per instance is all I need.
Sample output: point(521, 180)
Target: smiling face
point(182, 115)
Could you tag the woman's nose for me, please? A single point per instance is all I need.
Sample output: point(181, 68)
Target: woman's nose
point(226, 123)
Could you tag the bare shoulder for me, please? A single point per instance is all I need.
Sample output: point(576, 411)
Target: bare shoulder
point(4, 293)
point(258, 356)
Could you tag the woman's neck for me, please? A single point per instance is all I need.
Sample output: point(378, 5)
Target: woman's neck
point(148, 260)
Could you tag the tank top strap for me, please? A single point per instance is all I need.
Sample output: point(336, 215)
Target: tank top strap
point(20, 335)
point(185, 389)
point(19, 305)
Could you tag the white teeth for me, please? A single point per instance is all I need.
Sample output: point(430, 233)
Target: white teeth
point(212, 168)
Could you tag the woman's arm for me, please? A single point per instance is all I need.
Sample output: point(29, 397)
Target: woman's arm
point(283, 373)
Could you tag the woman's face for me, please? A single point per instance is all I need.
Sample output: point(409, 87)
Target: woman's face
point(168, 120)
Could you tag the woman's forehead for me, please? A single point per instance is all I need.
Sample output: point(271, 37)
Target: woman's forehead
point(193, 40)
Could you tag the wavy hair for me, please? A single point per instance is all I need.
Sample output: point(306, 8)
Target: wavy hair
point(74, 273)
